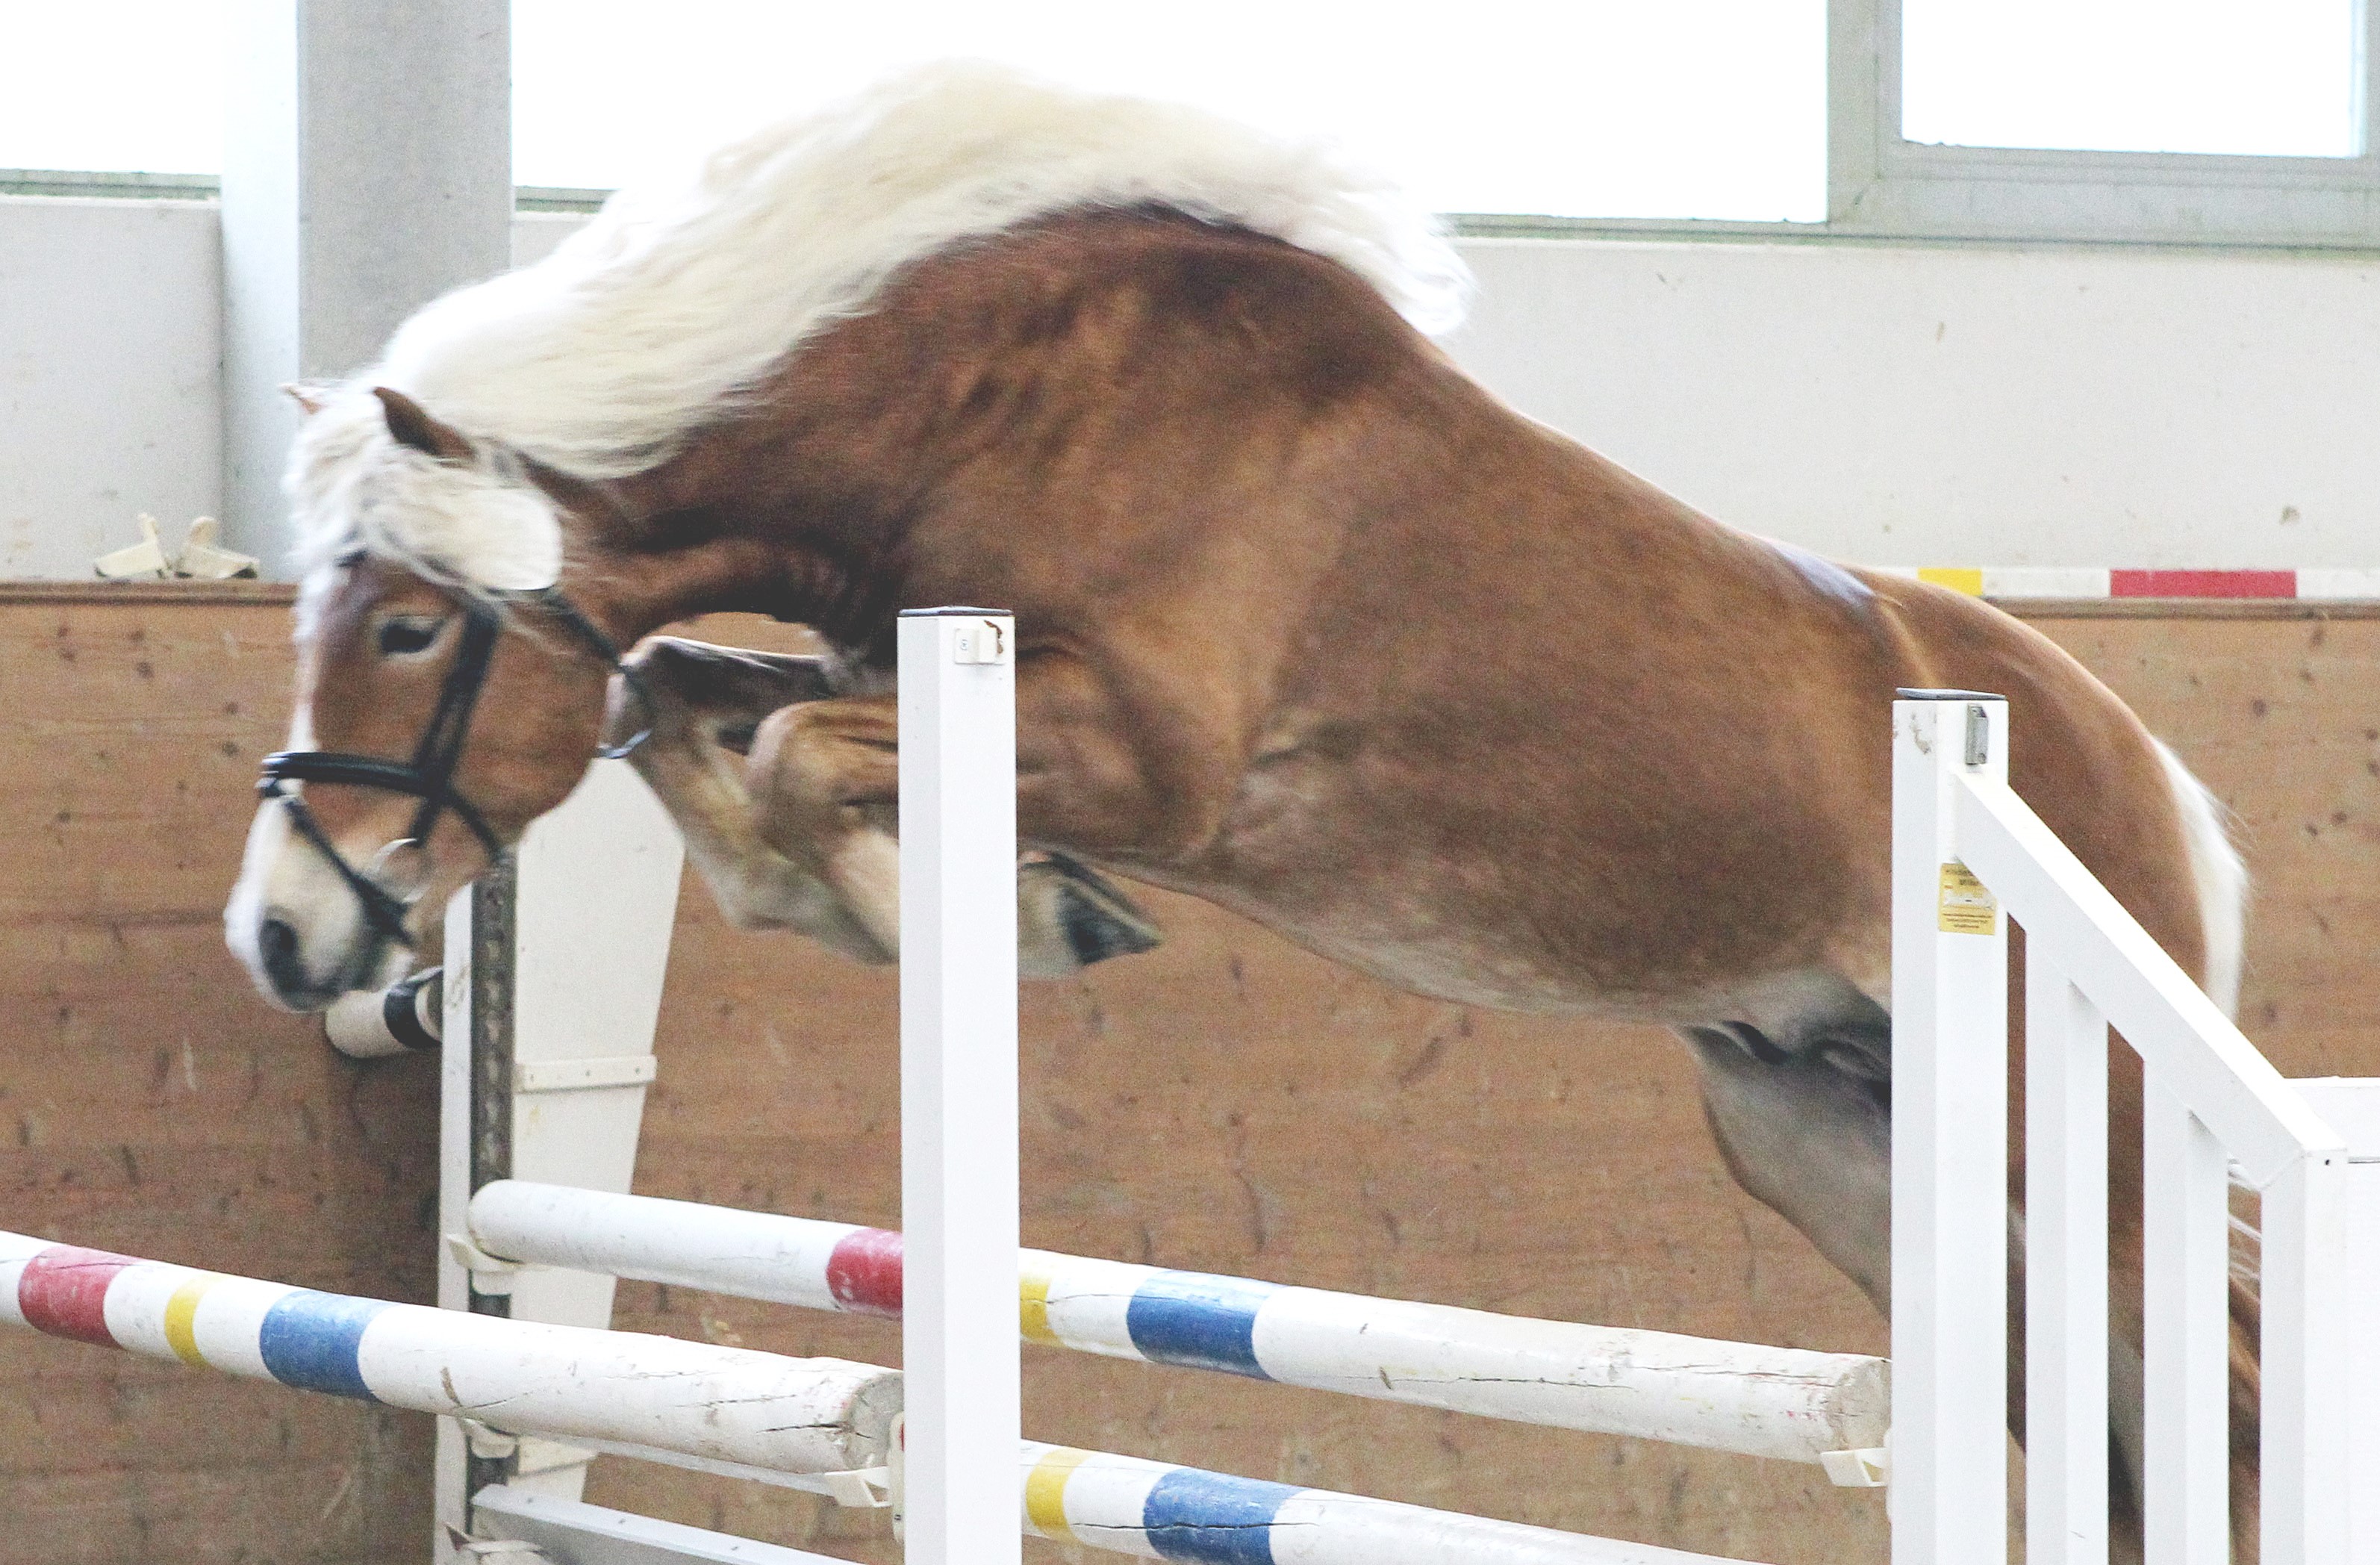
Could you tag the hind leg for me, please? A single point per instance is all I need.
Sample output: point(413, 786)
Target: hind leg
point(1804, 1118)
point(1802, 1112)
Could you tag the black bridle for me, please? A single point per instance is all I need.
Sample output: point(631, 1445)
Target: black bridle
point(429, 776)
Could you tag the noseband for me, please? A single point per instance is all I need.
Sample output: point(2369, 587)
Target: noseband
point(429, 776)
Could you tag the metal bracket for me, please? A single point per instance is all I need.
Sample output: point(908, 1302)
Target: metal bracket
point(489, 1274)
point(511, 1551)
point(861, 1488)
point(491, 1443)
point(537, 1454)
point(980, 641)
point(1979, 735)
point(1867, 1468)
point(578, 1075)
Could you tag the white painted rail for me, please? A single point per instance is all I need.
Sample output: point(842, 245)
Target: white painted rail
point(572, 1532)
point(1782, 1402)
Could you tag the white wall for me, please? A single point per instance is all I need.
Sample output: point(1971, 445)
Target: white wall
point(1963, 406)
point(1905, 404)
point(111, 398)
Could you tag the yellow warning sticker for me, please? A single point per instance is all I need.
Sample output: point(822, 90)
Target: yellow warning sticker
point(1958, 578)
point(1966, 907)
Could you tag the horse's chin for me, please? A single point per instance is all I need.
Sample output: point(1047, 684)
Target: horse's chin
point(286, 977)
point(298, 930)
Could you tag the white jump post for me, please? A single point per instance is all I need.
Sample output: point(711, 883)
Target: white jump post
point(958, 1084)
point(553, 977)
point(1969, 855)
point(1949, 1494)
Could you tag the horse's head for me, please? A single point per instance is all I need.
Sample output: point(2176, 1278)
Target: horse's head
point(447, 696)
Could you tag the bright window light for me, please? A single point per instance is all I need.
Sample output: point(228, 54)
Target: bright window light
point(1704, 108)
point(1715, 108)
point(2273, 77)
point(112, 84)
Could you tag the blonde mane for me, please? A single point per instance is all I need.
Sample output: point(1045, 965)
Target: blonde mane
point(603, 358)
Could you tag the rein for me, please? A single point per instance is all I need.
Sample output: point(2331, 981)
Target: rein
point(429, 775)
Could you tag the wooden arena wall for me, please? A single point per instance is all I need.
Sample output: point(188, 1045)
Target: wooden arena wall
point(1227, 1103)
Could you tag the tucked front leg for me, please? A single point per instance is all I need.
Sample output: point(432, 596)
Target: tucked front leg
point(827, 776)
point(703, 706)
point(826, 780)
point(783, 778)
point(1801, 1109)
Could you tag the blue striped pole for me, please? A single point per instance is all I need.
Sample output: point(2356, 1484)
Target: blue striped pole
point(1158, 1511)
point(617, 1389)
point(1760, 1400)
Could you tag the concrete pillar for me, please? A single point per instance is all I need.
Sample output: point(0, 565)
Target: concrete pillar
point(367, 169)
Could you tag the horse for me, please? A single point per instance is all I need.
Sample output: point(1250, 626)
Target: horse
point(1309, 624)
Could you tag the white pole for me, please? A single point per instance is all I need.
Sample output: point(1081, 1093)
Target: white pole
point(2186, 1267)
point(368, 168)
point(2065, 1269)
point(1950, 1147)
point(2308, 1360)
point(958, 1084)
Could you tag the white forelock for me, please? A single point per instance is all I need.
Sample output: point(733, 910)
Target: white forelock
point(480, 523)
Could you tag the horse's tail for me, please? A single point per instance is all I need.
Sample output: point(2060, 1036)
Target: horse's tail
point(2221, 878)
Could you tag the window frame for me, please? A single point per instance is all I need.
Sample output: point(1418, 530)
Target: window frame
point(1880, 183)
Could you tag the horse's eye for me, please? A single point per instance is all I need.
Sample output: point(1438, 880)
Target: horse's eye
point(408, 634)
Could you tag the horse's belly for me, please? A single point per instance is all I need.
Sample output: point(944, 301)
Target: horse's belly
point(1454, 898)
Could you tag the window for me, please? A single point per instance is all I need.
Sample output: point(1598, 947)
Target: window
point(2274, 78)
point(1592, 107)
point(2189, 121)
point(1707, 109)
point(114, 86)
point(2159, 120)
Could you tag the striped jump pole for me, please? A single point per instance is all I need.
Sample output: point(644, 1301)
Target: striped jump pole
point(1783, 1402)
point(1123, 1504)
point(729, 1409)
point(689, 1403)
point(1160, 1512)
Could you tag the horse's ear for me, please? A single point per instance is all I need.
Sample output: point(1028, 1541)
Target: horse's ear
point(311, 397)
point(409, 424)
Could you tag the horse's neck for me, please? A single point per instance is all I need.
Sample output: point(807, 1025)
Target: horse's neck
point(983, 369)
point(636, 589)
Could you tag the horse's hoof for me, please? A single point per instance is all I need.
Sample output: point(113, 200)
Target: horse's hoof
point(1069, 915)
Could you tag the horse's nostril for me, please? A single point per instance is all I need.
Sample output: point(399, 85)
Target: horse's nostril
point(276, 942)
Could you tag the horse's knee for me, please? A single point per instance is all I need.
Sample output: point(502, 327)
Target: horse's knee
point(771, 893)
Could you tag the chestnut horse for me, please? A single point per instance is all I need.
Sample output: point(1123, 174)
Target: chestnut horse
point(1310, 624)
